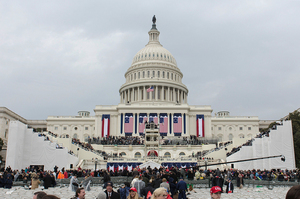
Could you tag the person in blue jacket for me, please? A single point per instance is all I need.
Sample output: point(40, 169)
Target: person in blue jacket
point(181, 187)
point(8, 183)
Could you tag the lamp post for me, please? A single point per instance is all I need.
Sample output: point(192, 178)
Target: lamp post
point(96, 161)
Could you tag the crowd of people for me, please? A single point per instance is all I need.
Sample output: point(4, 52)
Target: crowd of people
point(52, 134)
point(144, 181)
point(86, 146)
point(236, 149)
point(118, 140)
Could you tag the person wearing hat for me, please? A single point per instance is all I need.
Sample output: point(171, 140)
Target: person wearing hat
point(110, 193)
point(133, 193)
point(215, 192)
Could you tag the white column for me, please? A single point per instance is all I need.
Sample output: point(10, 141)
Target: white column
point(156, 93)
point(178, 96)
point(172, 125)
point(99, 125)
point(181, 97)
point(132, 94)
point(144, 90)
point(162, 97)
point(187, 127)
point(168, 94)
point(118, 124)
point(174, 95)
point(138, 94)
point(113, 124)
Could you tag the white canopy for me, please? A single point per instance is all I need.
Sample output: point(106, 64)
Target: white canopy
point(151, 164)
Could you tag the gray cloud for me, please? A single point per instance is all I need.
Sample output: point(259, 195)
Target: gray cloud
point(58, 57)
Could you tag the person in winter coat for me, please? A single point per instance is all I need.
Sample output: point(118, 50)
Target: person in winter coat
point(229, 188)
point(172, 187)
point(136, 178)
point(181, 187)
point(139, 185)
point(86, 183)
point(165, 184)
point(124, 190)
point(73, 183)
point(157, 182)
point(240, 181)
point(47, 181)
point(148, 190)
point(8, 183)
point(35, 182)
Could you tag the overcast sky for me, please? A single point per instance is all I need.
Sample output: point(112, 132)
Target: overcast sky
point(59, 57)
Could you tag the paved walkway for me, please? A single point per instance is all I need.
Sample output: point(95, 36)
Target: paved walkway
point(65, 193)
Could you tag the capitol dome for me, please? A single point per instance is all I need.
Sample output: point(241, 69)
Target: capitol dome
point(153, 76)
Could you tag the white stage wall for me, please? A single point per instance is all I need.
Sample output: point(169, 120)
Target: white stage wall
point(25, 148)
point(280, 142)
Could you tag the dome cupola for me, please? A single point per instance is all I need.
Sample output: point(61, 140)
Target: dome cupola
point(153, 67)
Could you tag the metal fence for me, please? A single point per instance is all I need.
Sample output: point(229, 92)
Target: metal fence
point(204, 183)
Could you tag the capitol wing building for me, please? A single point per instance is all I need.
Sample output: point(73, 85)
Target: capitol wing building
point(154, 107)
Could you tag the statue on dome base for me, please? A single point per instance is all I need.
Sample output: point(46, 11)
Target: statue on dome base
point(154, 19)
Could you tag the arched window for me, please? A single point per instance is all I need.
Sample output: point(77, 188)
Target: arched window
point(137, 155)
point(182, 154)
point(167, 155)
point(241, 136)
point(163, 74)
point(75, 136)
point(123, 154)
point(230, 137)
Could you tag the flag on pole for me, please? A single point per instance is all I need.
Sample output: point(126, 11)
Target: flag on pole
point(142, 119)
point(163, 123)
point(150, 89)
point(128, 127)
point(200, 125)
point(105, 125)
point(153, 118)
point(177, 124)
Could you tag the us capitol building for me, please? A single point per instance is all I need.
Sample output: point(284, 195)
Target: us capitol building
point(153, 93)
